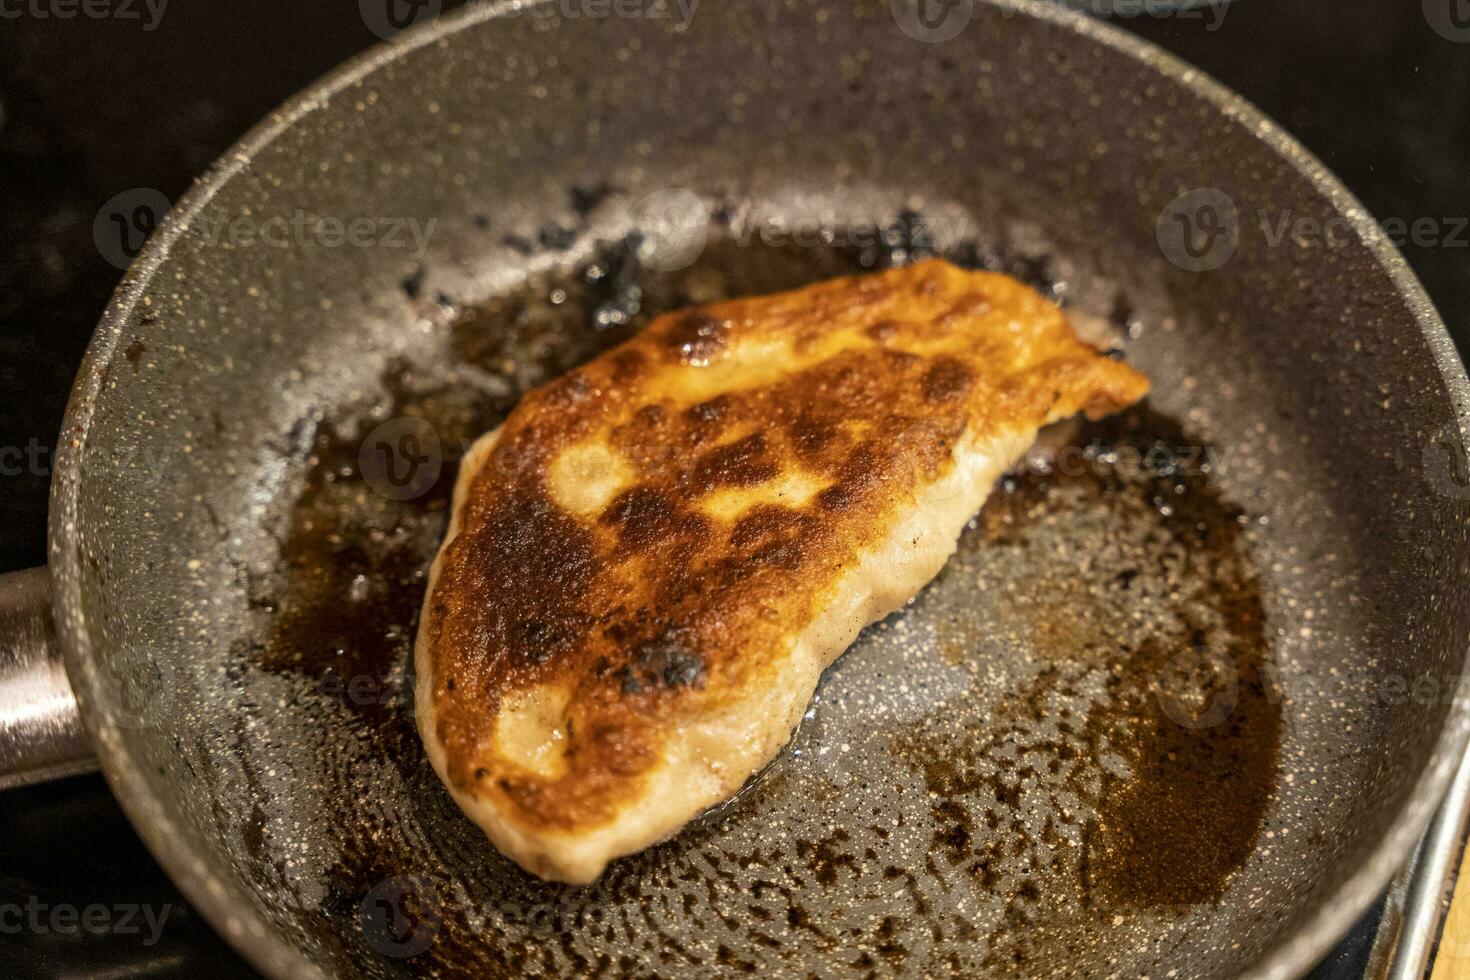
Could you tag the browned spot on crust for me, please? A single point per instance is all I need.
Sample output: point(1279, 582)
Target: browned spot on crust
point(652, 416)
point(742, 463)
point(774, 536)
point(946, 380)
point(627, 365)
point(657, 610)
point(538, 612)
point(648, 518)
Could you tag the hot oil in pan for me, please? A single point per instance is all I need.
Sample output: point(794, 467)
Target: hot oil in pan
point(1140, 762)
point(1103, 573)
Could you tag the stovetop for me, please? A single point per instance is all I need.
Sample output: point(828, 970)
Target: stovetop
point(148, 95)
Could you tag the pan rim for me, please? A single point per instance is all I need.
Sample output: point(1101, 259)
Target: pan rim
point(238, 922)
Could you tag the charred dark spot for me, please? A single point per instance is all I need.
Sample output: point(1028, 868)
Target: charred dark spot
point(854, 480)
point(678, 666)
point(770, 535)
point(766, 523)
point(647, 518)
point(541, 640)
point(946, 380)
point(663, 663)
point(134, 354)
point(742, 463)
point(839, 497)
point(812, 434)
point(697, 337)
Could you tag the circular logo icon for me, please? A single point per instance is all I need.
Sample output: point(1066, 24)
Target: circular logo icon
point(1199, 230)
point(124, 223)
point(402, 458)
point(1446, 468)
point(1450, 19)
point(673, 227)
point(402, 916)
point(1198, 688)
point(932, 21)
point(389, 18)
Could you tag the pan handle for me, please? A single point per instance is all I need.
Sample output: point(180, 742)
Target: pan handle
point(41, 733)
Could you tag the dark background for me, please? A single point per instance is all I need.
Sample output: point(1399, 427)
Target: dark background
point(92, 107)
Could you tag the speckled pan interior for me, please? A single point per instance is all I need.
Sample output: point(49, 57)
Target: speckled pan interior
point(994, 780)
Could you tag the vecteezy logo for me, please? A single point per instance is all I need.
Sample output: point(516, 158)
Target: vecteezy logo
point(402, 916)
point(932, 21)
point(1446, 469)
point(389, 18)
point(1450, 19)
point(124, 223)
point(673, 227)
point(1198, 688)
point(1199, 230)
point(402, 458)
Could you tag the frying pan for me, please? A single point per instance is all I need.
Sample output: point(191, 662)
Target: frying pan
point(985, 785)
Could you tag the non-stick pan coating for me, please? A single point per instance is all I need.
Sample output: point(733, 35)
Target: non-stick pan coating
point(969, 794)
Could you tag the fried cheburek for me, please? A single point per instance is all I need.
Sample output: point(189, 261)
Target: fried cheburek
point(652, 560)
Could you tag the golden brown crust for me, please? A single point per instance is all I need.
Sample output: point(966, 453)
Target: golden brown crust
point(651, 529)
